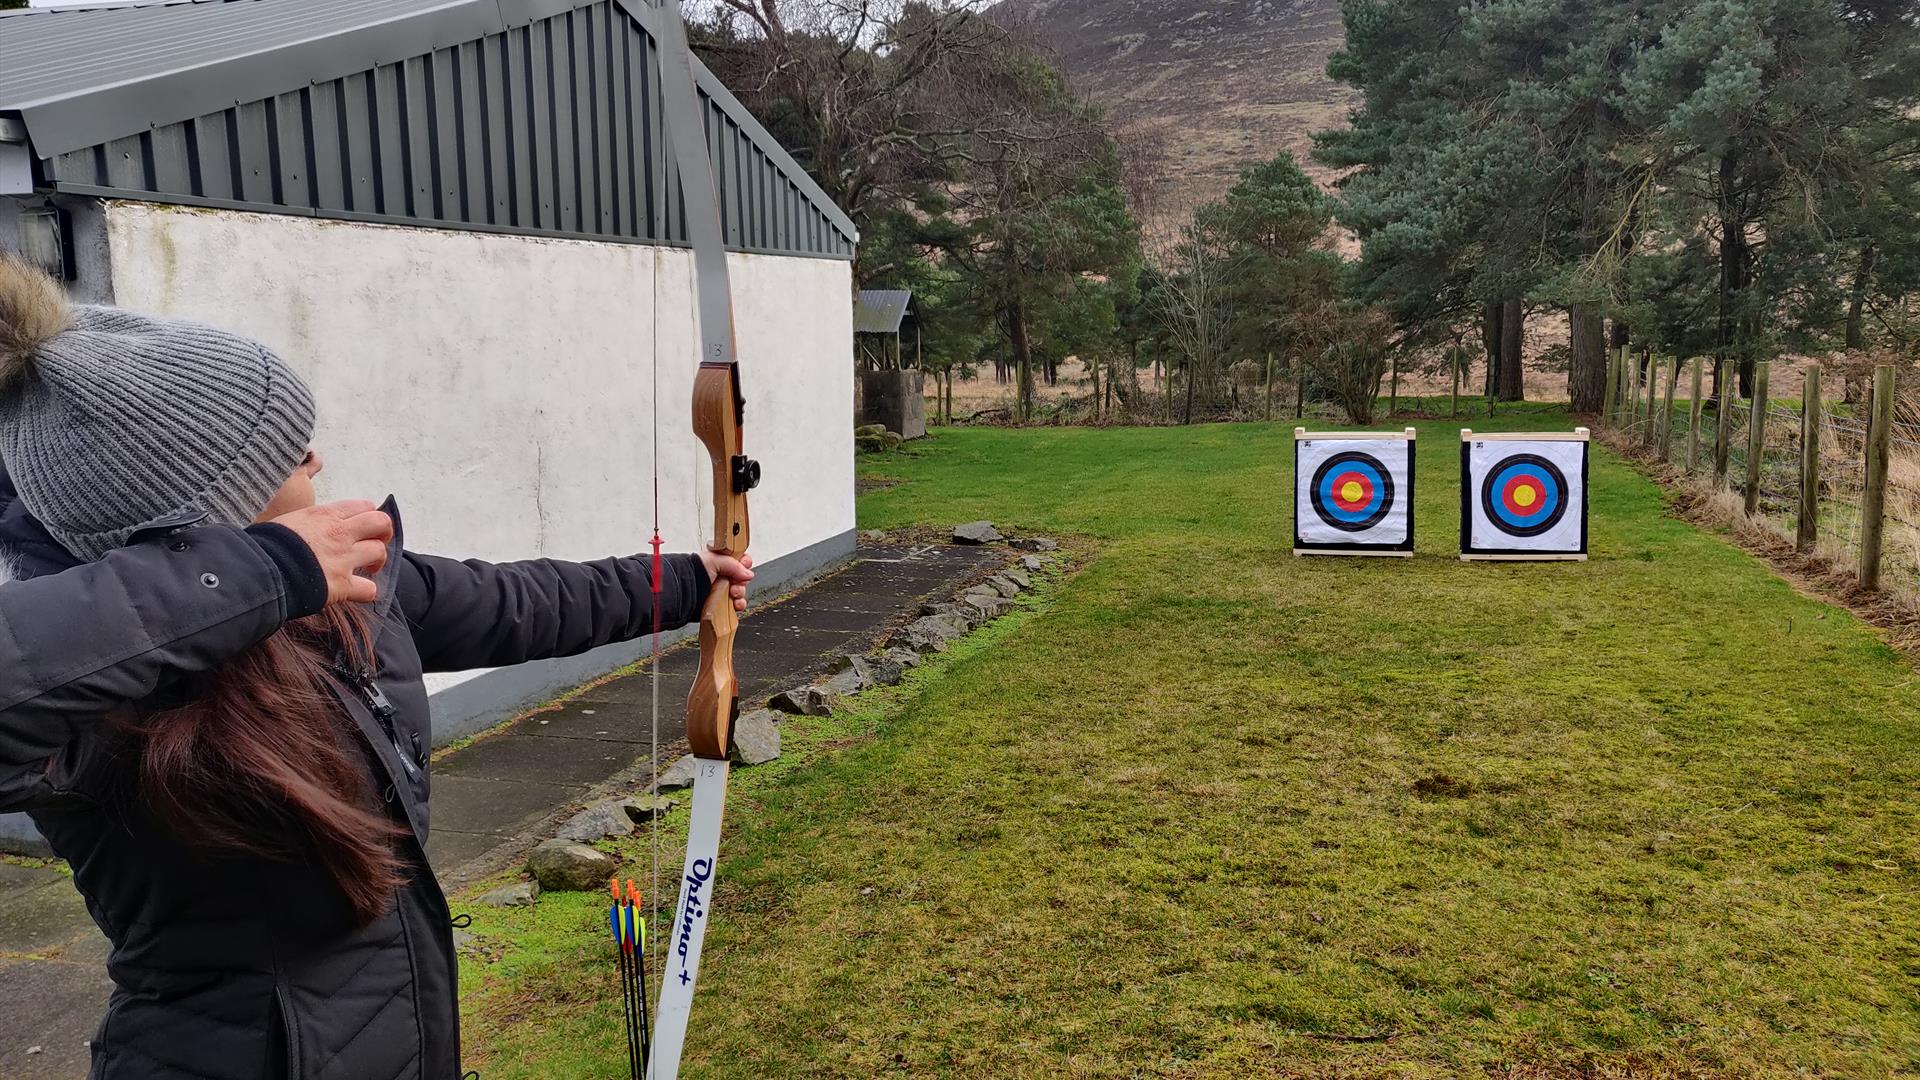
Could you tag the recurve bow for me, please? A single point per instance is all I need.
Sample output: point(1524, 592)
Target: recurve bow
point(718, 409)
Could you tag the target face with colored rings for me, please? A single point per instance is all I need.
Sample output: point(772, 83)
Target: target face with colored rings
point(1524, 495)
point(1352, 491)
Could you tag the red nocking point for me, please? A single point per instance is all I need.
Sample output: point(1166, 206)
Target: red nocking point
point(657, 544)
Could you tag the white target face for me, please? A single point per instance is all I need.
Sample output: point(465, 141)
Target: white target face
point(1523, 497)
point(1352, 493)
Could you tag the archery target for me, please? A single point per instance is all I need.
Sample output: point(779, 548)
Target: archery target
point(1353, 493)
point(1524, 497)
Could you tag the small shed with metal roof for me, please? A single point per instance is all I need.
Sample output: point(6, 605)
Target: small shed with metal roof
point(460, 221)
point(881, 313)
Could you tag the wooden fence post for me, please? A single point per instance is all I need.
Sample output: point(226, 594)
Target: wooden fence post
point(1807, 530)
point(1873, 502)
point(1652, 379)
point(1632, 389)
point(1666, 409)
point(1756, 435)
point(1663, 366)
point(1613, 386)
point(1723, 427)
point(1653, 394)
point(1642, 388)
point(1625, 404)
point(1693, 415)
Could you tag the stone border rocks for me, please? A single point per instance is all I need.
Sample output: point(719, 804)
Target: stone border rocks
point(569, 862)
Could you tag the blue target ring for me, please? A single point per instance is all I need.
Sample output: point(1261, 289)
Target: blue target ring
point(1524, 495)
point(1352, 491)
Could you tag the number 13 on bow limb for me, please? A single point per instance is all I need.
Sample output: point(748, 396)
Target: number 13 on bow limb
point(718, 417)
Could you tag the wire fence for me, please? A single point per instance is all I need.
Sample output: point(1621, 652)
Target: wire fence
point(1687, 438)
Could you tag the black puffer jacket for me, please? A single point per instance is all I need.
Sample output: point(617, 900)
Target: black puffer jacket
point(236, 968)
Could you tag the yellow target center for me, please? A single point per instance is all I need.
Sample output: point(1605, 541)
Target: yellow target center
point(1351, 491)
point(1525, 496)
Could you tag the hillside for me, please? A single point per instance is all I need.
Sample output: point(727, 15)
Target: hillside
point(1215, 85)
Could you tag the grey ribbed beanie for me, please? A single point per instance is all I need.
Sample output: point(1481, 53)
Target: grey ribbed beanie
point(112, 421)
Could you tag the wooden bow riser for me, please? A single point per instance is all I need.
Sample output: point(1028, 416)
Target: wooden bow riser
point(713, 703)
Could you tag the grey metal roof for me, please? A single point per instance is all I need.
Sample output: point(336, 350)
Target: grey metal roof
point(879, 311)
point(513, 115)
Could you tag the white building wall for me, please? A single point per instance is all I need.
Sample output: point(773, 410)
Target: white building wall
point(508, 390)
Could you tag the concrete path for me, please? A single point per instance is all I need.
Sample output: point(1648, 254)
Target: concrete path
point(53, 982)
point(495, 798)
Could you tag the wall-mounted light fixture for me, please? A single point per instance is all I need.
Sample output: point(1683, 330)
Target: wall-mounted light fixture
point(46, 240)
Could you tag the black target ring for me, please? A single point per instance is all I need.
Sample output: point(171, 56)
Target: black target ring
point(1373, 472)
point(1530, 470)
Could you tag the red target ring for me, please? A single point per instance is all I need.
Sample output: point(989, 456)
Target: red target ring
point(1352, 491)
point(1523, 495)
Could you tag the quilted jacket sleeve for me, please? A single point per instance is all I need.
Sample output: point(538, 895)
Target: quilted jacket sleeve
point(476, 614)
point(79, 643)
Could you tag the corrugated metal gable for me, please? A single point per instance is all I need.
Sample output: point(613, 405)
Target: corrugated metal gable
point(546, 125)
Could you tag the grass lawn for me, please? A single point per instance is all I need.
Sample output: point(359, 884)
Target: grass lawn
point(1208, 809)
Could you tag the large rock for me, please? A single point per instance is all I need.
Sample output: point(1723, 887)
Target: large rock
point(976, 532)
point(848, 680)
point(644, 808)
point(603, 820)
point(1035, 543)
point(1017, 576)
point(874, 536)
point(933, 633)
point(960, 614)
point(804, 701)
point(880, 670)
point(756, 738)
point(1032, 563)
point(565, 866)
point(989, 604)
point(1004, 585)
point(677, 775)
point(518, 894)
point(906, 658)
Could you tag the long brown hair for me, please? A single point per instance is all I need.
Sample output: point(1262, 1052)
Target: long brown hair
point(264, 761)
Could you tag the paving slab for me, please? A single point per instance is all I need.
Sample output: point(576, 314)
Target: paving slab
point(14, 878)
point(37, 918)
point(448, 848)
point(492, 807)
point(638, 689)
point(48, 1012)
point(607, 721)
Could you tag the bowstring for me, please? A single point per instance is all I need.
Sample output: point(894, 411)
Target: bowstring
point(653, 884)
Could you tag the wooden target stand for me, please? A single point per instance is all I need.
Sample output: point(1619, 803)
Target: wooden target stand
point(1576, 435)
point(1300, 433)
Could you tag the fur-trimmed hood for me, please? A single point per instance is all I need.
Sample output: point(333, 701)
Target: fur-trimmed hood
point(26, 548)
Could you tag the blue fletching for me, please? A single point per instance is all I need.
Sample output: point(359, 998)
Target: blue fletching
point(613, 920)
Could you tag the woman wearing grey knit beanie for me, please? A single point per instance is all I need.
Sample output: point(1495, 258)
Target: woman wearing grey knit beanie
point(211, 697)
